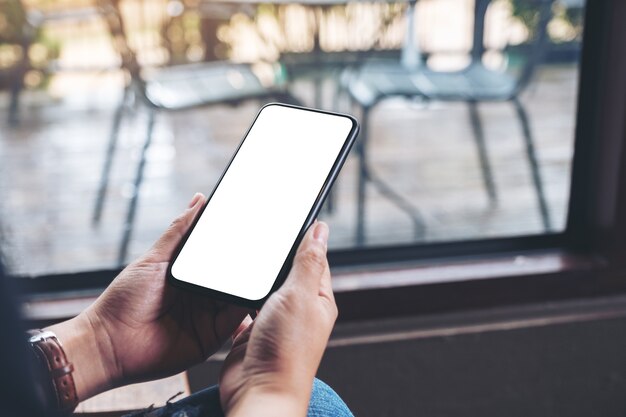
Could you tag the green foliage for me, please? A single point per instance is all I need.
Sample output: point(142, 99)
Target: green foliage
point(13, 23)
point(36, 48)
point(528, 13)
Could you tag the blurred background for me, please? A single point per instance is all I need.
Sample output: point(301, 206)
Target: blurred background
point(465, 286)
point(115, 112)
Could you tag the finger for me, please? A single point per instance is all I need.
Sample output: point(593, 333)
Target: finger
point(247, 321)
point(326, 286)
point(228, 320)
point(242, 338)
point(310, 261)
point(168, 242)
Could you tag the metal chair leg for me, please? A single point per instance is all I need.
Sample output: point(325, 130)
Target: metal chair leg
point(13, 107)
point(534, 164)
point(317, 91)
point(132, 205)
point(329, 205)
point(342, 100)
point(366, 174)
point(337, 94)
point(419, 226)
point(17, 85)
point(485, 166)
point(108, 161)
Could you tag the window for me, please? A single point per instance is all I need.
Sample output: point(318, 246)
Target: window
point(433, 187)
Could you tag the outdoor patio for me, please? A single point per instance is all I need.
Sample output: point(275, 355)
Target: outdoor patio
point(50, 166)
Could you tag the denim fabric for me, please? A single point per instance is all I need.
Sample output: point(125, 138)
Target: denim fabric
point(206, 403)
point(326, 403)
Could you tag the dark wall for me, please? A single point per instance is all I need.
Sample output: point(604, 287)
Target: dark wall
point(576, 369)
point(569, 369)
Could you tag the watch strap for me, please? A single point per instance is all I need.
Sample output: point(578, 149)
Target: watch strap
point(51, 355)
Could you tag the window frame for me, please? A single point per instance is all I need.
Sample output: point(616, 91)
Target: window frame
point(594, 240)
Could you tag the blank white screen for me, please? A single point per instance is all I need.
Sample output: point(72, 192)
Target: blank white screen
point(253, 218)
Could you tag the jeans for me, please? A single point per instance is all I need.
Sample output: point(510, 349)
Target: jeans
point(206, 403)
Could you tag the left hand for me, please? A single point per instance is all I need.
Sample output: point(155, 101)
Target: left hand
point(142, 328)
point(273, 360)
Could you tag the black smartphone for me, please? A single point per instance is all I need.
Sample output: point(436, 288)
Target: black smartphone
point(241, 246)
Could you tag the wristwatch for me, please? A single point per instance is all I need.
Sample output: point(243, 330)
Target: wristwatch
point(53, 361)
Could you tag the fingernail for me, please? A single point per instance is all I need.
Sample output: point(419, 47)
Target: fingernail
point(195, 199)
point(320, 233)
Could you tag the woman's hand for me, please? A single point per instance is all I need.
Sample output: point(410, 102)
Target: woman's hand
point(274, 358)
point(142, 328)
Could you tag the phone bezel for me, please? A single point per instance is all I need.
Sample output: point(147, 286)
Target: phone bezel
point(319, 201)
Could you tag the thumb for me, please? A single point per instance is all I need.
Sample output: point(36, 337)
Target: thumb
point(164, 248)
point(310, 263)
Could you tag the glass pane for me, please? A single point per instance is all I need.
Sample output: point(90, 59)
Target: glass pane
point(452, 95)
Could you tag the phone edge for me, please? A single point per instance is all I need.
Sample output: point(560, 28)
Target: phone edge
point(315, 209)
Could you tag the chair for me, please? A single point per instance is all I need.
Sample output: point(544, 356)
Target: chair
point(172, 88)
point(374, 82)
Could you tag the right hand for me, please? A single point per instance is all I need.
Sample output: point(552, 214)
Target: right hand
point(274, 358)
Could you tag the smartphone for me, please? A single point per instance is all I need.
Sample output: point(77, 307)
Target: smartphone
point(241, 246)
